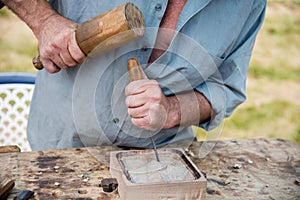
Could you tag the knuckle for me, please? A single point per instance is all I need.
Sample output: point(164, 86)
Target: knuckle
point(140, 122)
point(55, 44)
point(78, 57)
point(154, 96)
point(45, 52)
point(154, 83)
point(52, 71)
point(130, 112)
point(128, 89)
point(135, 122)
point(75, 51)
point(69, 63)
point(51, 68)
point(59, 63)
point(127, 101)
point(65, 36)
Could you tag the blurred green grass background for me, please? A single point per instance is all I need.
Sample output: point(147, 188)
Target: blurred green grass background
point(272, 108)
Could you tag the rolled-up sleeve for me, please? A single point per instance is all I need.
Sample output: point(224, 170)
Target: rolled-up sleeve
point(227, 93)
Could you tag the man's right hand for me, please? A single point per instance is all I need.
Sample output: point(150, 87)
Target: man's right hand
point(58, 48)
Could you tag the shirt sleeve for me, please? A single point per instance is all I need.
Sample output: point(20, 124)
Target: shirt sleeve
point(227, 91)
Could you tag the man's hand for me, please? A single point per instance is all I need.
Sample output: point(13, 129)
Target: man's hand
point(147, 105)
point(150, 109)
point(58, 48)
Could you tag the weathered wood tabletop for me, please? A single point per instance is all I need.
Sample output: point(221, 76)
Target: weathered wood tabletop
point(235, 169)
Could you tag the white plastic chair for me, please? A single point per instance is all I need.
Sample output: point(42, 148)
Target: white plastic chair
point(15, 95)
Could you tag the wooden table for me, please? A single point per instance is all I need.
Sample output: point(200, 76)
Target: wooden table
point(235, 169)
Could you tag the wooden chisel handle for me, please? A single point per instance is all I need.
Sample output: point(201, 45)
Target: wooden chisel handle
point(107, 31)
point(6, 185)
point(134, 70)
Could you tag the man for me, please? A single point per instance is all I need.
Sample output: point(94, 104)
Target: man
point(195, 55)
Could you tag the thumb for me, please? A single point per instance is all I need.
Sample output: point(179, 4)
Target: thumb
point(143, 73)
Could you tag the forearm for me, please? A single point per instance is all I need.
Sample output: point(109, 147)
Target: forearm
point(33, 12)
point(188, 109)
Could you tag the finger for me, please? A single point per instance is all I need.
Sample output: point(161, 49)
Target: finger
point(50, 66)
point(134, 88)
point(138, 112)
point(67, 58)
point(145, 123)
point(139, 86)
point(133, 101)
point(75, 51)
point(142, 122)
point(143, 74)
point(57, 60)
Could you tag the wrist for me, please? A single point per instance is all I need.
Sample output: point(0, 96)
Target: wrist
point(187, 109)
point(38, 26)
point(173, 112)
point(34, 13)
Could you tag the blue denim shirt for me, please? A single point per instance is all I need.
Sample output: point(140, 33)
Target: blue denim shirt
point(210, 53)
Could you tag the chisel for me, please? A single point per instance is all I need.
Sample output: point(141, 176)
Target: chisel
point(135, 73)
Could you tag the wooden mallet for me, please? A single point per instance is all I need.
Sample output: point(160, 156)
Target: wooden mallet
point(107, 31)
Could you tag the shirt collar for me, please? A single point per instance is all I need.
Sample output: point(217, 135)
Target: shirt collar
point(190, 9)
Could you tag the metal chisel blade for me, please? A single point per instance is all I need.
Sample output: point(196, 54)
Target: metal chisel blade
point(155, 149)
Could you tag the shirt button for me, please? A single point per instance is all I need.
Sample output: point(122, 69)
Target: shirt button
point(116, 120)
point(144, 49)
point(158, 7)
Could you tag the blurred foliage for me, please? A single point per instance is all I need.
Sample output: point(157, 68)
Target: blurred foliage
point(4, 12)
point(17, 43)
point(297, 136)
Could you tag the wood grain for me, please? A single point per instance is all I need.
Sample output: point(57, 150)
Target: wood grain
point(111, 29)
point(9, 149)
point(134, 70)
